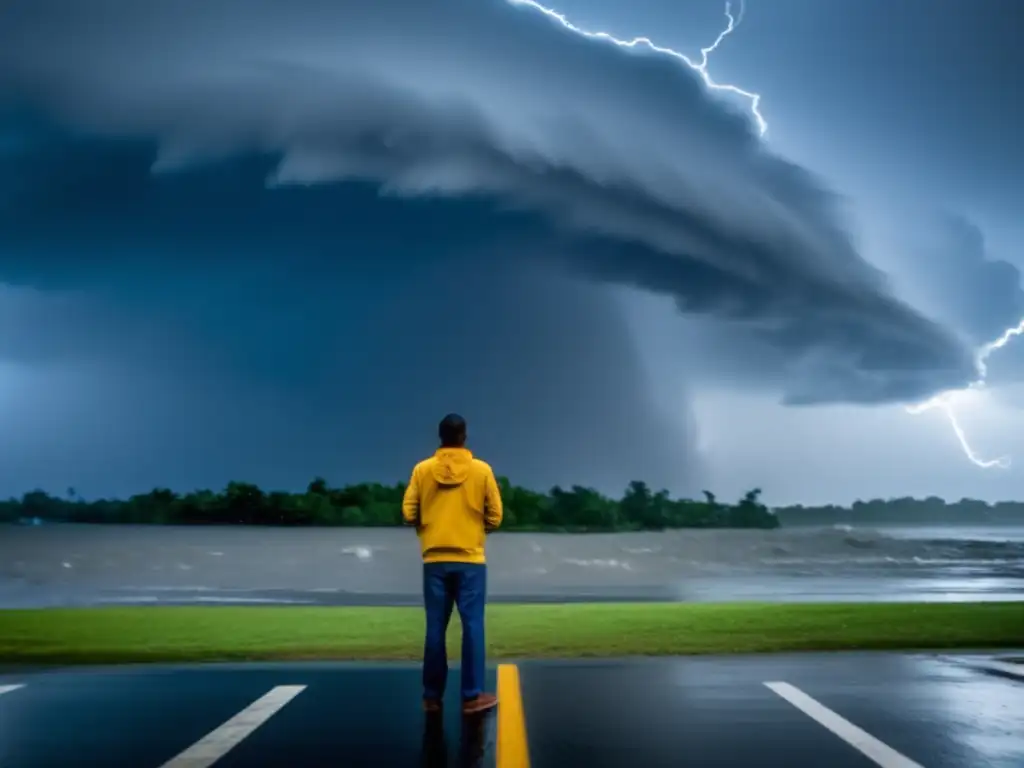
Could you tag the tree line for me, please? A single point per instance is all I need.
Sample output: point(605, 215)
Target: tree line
point(906, 511)
point(374, 504)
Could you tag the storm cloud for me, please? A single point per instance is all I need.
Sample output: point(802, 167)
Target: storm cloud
point(970, 288)
point(278, 379)
point(617, 164)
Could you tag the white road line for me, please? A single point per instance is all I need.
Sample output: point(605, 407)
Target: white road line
point(881, 754)
point(8, 688)
point(222, 740)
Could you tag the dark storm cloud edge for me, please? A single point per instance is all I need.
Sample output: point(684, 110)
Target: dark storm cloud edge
point(651, 183)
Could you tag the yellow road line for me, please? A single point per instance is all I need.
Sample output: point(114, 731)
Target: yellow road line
point(512, 749)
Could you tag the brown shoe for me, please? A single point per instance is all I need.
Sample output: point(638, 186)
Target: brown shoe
point(482, 703)
point(431, 706)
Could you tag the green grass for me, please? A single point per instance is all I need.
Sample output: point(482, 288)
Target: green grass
point(108, 635)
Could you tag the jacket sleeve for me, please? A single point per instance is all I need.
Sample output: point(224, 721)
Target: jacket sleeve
point(411, 501)
point(493, 510)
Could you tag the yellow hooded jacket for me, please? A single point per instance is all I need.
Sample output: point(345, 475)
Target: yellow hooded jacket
point(453, 500)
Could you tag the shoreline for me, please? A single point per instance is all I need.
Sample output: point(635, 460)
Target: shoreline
point(583, 630)
point(801, 525)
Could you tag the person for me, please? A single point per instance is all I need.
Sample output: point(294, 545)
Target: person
point(453, 501)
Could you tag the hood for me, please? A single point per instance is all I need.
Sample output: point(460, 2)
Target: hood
point(451, 465)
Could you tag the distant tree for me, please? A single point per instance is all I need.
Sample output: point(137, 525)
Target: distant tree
point(576, 509)
point(903, 511)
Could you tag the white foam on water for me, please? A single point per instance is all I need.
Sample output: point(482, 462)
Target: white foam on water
point(172, 589)
point(359, 551)
point(599, 563)
point(209, 599)
point(265, 600)
point(135, 599)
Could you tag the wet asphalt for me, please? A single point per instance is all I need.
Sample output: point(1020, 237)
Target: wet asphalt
point(835, 710)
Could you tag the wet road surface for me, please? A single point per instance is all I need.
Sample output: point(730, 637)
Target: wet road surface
point(836, 710)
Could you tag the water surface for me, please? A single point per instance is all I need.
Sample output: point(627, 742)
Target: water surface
point(50, 565)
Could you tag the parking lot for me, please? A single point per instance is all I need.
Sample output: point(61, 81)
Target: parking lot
point(836, 709)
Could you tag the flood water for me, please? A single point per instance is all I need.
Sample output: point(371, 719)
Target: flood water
point(51, 565)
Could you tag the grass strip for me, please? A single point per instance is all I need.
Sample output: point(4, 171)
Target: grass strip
point(149, 634)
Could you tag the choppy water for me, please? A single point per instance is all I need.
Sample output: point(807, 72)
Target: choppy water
point(76, 565)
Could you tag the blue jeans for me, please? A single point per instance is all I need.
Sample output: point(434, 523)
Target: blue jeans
point(446, 585)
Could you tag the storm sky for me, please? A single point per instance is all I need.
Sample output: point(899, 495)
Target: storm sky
point(258, 240)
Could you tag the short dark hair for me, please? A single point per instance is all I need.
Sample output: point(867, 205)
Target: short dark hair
point(452, 430)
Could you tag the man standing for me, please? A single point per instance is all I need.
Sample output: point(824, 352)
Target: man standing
point(453, 500)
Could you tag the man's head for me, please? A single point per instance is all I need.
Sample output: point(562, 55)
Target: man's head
point(452, 431)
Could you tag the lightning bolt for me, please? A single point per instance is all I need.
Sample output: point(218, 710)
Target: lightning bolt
point(992, 346)
point(944, 401)
point(700, 68)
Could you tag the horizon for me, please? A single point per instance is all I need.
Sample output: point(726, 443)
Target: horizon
point(72, 495)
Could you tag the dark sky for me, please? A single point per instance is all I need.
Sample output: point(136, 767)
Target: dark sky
point(258, 240)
